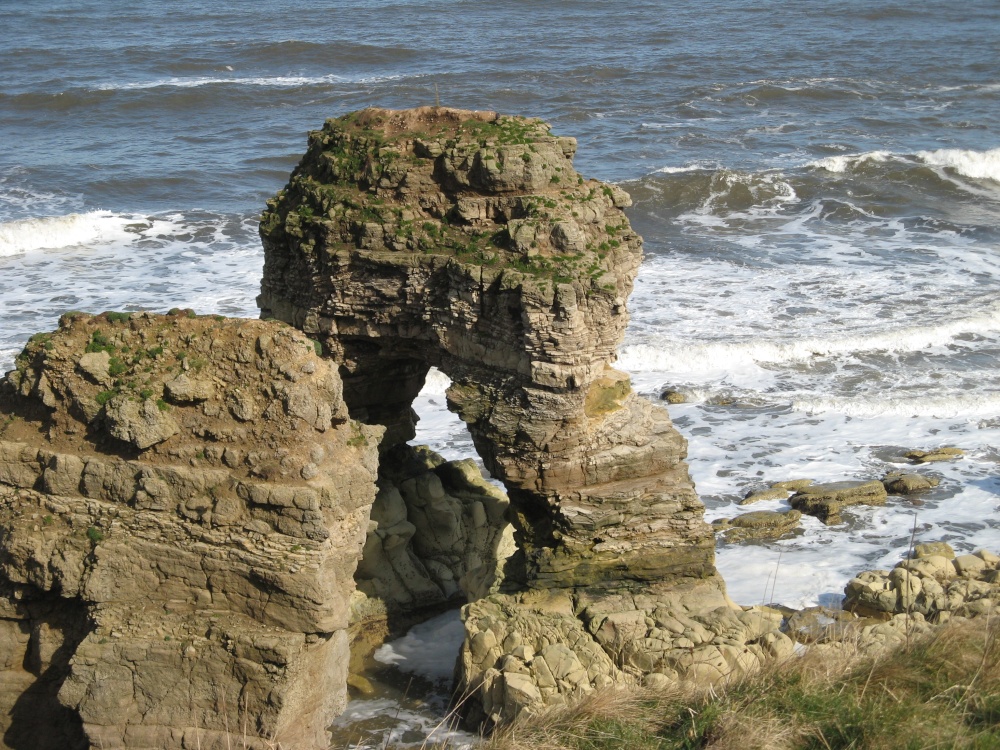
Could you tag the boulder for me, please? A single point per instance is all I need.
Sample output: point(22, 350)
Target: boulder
point(931, 456)
point(908, 484)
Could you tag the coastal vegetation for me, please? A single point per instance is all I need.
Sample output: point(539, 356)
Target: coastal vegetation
point(941, 690)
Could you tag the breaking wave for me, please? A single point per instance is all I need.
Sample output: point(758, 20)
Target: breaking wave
point(25, 235)
point(975, 165)
point(709, 357)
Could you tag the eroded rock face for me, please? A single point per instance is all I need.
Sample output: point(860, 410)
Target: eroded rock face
point(173, 572)
point(467, 241)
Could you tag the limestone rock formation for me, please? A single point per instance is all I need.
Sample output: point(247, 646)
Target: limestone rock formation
point(183, 501)
point(468, 242)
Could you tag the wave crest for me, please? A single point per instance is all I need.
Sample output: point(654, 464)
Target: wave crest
point(26, 235)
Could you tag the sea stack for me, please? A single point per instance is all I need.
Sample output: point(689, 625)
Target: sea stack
point(467, 241)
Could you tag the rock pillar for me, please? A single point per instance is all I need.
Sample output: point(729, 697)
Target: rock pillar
point(467, 241)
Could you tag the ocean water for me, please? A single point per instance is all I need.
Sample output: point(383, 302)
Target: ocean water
point(818, 186)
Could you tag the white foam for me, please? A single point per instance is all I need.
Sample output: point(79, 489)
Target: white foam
point(681, 170)
point(263, 81)
point(977, 165)
point(430, 729)
point(693, 357)
point(428, 649)
point(25, 235)
point(841, 163)
point(942, 407)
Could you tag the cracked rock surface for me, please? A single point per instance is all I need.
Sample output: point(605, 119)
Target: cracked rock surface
point(170, 572)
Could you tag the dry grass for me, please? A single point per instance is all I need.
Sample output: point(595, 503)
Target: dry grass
point(941, 691)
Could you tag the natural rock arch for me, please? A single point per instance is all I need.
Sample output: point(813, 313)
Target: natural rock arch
point(467, 241)
point(185, 500)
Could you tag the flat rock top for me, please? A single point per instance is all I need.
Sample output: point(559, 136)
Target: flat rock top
point(168, 385)
point(483, 188)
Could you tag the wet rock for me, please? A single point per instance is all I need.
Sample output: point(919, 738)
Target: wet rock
point(756, 496)
point(939, 454)
point(673, 397)
point(759, 524)
point(909, 484)
point(826, 501)
point(792, 485)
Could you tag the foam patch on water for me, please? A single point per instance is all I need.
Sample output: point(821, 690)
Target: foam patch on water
point(687, 357)
point(72, 230)
point(428, 649)
point(383, 723)
point(262, 81)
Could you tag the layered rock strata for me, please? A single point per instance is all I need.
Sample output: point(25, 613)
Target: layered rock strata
point(183, 501)
point(467, 241)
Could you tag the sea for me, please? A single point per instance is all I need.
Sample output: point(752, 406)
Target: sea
point(817, 184)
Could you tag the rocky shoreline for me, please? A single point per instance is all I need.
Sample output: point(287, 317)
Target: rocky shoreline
point(201, 516)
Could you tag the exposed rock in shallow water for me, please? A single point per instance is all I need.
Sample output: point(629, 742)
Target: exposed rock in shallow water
point(467, 241)
point(756, 496)
point(826, 501)
point(179, 573)
point(758, 524)
point(909, 484)
point(937, 454)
